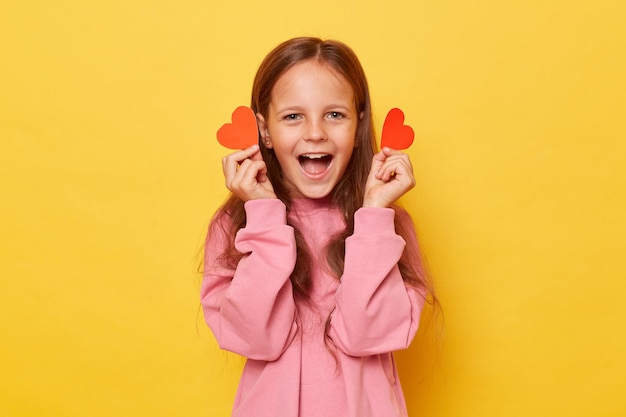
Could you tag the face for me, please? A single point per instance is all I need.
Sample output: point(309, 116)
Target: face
point(311, 126)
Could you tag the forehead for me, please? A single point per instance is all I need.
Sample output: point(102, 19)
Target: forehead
point(312, 78)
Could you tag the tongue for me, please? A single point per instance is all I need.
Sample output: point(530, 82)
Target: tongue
point(314, 166)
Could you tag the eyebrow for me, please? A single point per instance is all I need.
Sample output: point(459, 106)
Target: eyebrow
point(301, 108)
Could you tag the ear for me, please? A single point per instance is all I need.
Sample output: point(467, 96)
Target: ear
point(267, 141)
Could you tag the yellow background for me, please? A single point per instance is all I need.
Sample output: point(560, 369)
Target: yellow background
point(109, 172)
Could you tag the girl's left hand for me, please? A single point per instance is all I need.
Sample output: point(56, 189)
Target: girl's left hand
point(390, 177)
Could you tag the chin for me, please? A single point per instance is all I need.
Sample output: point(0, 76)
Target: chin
point(314, 194)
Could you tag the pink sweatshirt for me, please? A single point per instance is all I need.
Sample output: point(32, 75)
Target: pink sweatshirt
point(290, 371)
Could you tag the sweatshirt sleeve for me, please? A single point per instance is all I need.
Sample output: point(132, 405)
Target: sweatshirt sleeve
point(375, 312)
point(251, 310)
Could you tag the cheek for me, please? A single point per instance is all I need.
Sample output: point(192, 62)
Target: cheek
point(349, 137)
point(285, 135)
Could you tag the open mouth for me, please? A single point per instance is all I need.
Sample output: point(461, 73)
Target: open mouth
point(315, 163)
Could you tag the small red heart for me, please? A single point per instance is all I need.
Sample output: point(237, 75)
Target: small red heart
point(396, 135)
point(242, 132)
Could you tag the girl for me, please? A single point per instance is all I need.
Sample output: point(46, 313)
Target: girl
point(311, 272)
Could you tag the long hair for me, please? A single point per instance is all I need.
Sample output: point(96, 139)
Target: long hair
point(349, 191)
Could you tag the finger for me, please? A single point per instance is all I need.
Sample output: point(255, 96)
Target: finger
point(229, 168)
point(393, 156)
point(386, 150)
point(395, 167)
point(390, 151)
point(252, 173)
point(261, 175)
point(243, 181)
point(389, 172)
point(377, 162)
point(256, 156)
point(388, 168)
point(240, 156)
point(388, 156)
point(231, 162)
point(246, 173)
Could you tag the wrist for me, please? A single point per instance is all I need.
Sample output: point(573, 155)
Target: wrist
point(374, 203)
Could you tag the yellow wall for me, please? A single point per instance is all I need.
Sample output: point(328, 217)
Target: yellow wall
point(109, 172)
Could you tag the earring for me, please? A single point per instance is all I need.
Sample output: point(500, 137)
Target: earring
point(267, 140)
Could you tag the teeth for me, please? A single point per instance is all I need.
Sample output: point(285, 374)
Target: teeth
point(315, 155)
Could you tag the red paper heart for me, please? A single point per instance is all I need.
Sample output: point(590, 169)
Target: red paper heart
point(242, 132)
point(396, 135)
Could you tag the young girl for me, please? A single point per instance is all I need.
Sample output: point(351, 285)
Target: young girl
point(311, 272)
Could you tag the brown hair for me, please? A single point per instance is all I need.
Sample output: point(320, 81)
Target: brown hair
point(349, 191)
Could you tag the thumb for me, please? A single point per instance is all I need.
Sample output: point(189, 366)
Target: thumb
point(257, 155)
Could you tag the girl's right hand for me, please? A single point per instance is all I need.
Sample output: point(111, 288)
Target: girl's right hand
point(245, 174)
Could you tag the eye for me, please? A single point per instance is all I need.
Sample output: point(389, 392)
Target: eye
point(293, 116)
point(335, 115)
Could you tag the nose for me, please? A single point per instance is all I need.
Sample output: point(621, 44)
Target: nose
point(315, 131)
